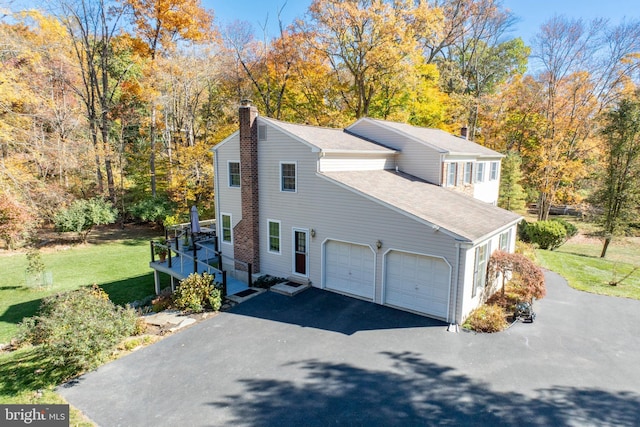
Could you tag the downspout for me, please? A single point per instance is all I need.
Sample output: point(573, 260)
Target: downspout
point(216, 198)
point(453, 325)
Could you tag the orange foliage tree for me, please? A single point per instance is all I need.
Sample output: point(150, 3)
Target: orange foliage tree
point(502, 264)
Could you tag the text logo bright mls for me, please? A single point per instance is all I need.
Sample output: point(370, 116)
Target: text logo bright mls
point(34, 415)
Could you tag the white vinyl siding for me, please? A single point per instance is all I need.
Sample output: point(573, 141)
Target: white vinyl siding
point(234, 174)
point(479, 172)
point(274, 238)
point(493, 173)
point(334, 213)
point(288, 177)
point(348, 162)
point(468, 178)
point(226, 228)
point(413, 158)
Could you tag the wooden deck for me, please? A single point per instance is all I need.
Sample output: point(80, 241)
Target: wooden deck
point(184, 261)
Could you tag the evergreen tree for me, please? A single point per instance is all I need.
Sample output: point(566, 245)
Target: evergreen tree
point(512, 195)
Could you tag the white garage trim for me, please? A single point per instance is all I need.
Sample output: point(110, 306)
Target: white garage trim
point(430, 311)
point(370, 281)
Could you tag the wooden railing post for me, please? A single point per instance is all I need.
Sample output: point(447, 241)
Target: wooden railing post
point(168, 252)
point(153, 258)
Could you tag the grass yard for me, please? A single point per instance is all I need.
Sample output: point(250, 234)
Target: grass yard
point(120, 265)
point(117, 260)
point(579, 262)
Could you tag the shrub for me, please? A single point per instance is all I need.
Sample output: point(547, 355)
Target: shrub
point(546, 234)
point(197, 292)
point(571, 230)
point(162, 301)
point(152, 209)
point(82, 215)
point(79, 329)
point(267, 281)
point(487, 318)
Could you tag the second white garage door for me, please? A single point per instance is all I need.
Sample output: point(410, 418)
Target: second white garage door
point(350, 268)
point(417, 282)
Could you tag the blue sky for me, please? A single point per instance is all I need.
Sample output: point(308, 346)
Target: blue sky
point(532, 13)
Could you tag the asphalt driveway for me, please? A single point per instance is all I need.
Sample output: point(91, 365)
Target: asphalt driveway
point(321, 359)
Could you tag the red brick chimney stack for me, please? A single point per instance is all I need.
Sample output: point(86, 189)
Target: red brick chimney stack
point(247, 231)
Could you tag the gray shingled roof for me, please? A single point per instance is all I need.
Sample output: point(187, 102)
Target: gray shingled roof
point(464, 216)
point(439, 139)
point(328, 139)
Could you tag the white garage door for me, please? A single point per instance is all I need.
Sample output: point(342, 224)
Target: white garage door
point(417, 282)
point(350, 268)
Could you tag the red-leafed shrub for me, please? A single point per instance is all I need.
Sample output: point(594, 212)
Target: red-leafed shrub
point(529, 277)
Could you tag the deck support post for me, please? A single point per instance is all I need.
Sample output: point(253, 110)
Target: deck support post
point(156, 280)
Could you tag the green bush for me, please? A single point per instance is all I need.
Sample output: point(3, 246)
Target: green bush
point(546, 234)
point(571, 229)
point(79, 329)
point(152, 209)
point(82, 215)
point(197, 292)
point(487, 318)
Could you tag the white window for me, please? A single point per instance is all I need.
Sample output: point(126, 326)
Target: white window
point(274, 236)
point(467, 173)
point(262, 132)
point(234, 174)
point(452, 172)
point(493, 173)
point(505, 240)
point(480, 270)
point(226, 228)
point(480, 172)
point(288, 177)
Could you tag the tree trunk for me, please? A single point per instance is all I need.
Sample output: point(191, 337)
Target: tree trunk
point(607, 240)
point(152, 155)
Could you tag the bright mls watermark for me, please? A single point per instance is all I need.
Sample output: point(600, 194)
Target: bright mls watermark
point(34, 415)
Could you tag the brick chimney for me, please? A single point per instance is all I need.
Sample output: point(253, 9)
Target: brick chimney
point(246, 233)
point(463, 132)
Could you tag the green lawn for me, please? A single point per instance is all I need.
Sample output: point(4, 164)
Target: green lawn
point(579, 262)
point(120, 267)
point(118, 261)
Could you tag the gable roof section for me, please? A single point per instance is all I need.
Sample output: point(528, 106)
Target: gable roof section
point(437, 139)
point(462, 216)
point(328, 139)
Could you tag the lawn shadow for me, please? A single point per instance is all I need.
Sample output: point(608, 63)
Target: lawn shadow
point(16, 312)
point(29, 369)
point(131, 289)
point(415, 392)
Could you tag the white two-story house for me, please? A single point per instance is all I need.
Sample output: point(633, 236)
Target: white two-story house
point(387, 212)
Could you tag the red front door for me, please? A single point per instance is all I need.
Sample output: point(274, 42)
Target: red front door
point(300, 254)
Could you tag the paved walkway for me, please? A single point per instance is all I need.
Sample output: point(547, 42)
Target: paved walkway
point(321, 359)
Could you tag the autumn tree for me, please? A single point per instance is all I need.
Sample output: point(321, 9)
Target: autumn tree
point(160, 24)
point(473, 55)
point(529, 276)
point(369, 44)
point(619, 192)
point(582, 69)
point(511, 195)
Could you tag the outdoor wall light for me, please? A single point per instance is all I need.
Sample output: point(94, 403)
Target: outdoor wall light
point(378, 244)
point(313, 233)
